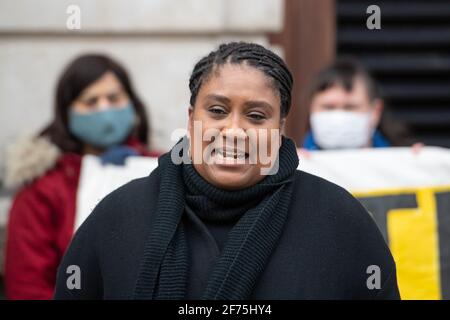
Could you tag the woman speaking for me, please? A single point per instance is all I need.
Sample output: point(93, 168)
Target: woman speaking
point(226, 214)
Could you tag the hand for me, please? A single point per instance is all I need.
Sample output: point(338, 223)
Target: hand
point(417, 147)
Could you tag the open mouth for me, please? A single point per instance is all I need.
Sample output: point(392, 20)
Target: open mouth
point(229, 156)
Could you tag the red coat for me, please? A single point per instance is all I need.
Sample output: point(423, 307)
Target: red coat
point(40, 228)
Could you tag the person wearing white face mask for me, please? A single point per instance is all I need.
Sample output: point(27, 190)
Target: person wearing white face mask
point(338, 129)
point(347, 112)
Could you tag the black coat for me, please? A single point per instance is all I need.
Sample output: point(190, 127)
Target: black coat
point(328, 243)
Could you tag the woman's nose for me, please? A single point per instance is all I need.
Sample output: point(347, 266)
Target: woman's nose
point(103, 104)
point(236, 121)
point(234, 127)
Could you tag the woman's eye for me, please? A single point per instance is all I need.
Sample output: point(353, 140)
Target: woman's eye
point(91, 103)
point(257, 116)
point(113, 99)
point(217, 111)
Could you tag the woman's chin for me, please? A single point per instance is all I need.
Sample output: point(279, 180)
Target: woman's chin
point(230, 177)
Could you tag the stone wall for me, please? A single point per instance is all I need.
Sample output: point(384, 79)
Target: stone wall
point(157, 40)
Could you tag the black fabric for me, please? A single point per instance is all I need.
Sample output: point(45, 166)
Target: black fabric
point(212, 236)
point(261, 210)
point(328, 242)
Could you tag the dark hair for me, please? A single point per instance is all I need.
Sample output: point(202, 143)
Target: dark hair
point(254, 55)
point(344, 72)
point(77, 76)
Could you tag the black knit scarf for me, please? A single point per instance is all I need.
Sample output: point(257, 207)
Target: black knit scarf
point(164, 268)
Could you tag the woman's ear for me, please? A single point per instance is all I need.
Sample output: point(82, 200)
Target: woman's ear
point(191, 117)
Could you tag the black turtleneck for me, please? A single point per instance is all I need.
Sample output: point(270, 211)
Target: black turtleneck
point(211, 213)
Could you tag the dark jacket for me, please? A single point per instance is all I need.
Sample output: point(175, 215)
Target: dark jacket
point(328, 245)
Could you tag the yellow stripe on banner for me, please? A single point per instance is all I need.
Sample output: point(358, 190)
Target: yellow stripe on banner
point(413, 239)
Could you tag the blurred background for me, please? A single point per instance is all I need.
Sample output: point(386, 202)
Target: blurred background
point(158, 41)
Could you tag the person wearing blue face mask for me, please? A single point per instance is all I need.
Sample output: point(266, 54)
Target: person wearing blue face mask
point(105, 129)
point(97, 112)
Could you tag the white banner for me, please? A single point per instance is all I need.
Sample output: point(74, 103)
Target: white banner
point(369, 169)
point(97, 180)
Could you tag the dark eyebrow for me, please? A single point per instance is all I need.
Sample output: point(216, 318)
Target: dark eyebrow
point(248, 104)
point(258, 104)
point(219, 98)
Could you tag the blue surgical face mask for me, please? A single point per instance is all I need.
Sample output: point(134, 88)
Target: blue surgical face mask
point(102, 129)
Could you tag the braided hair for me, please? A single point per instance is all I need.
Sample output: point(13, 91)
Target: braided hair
point(253, 55)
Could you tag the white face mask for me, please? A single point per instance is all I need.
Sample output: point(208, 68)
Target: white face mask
point(341, 129)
